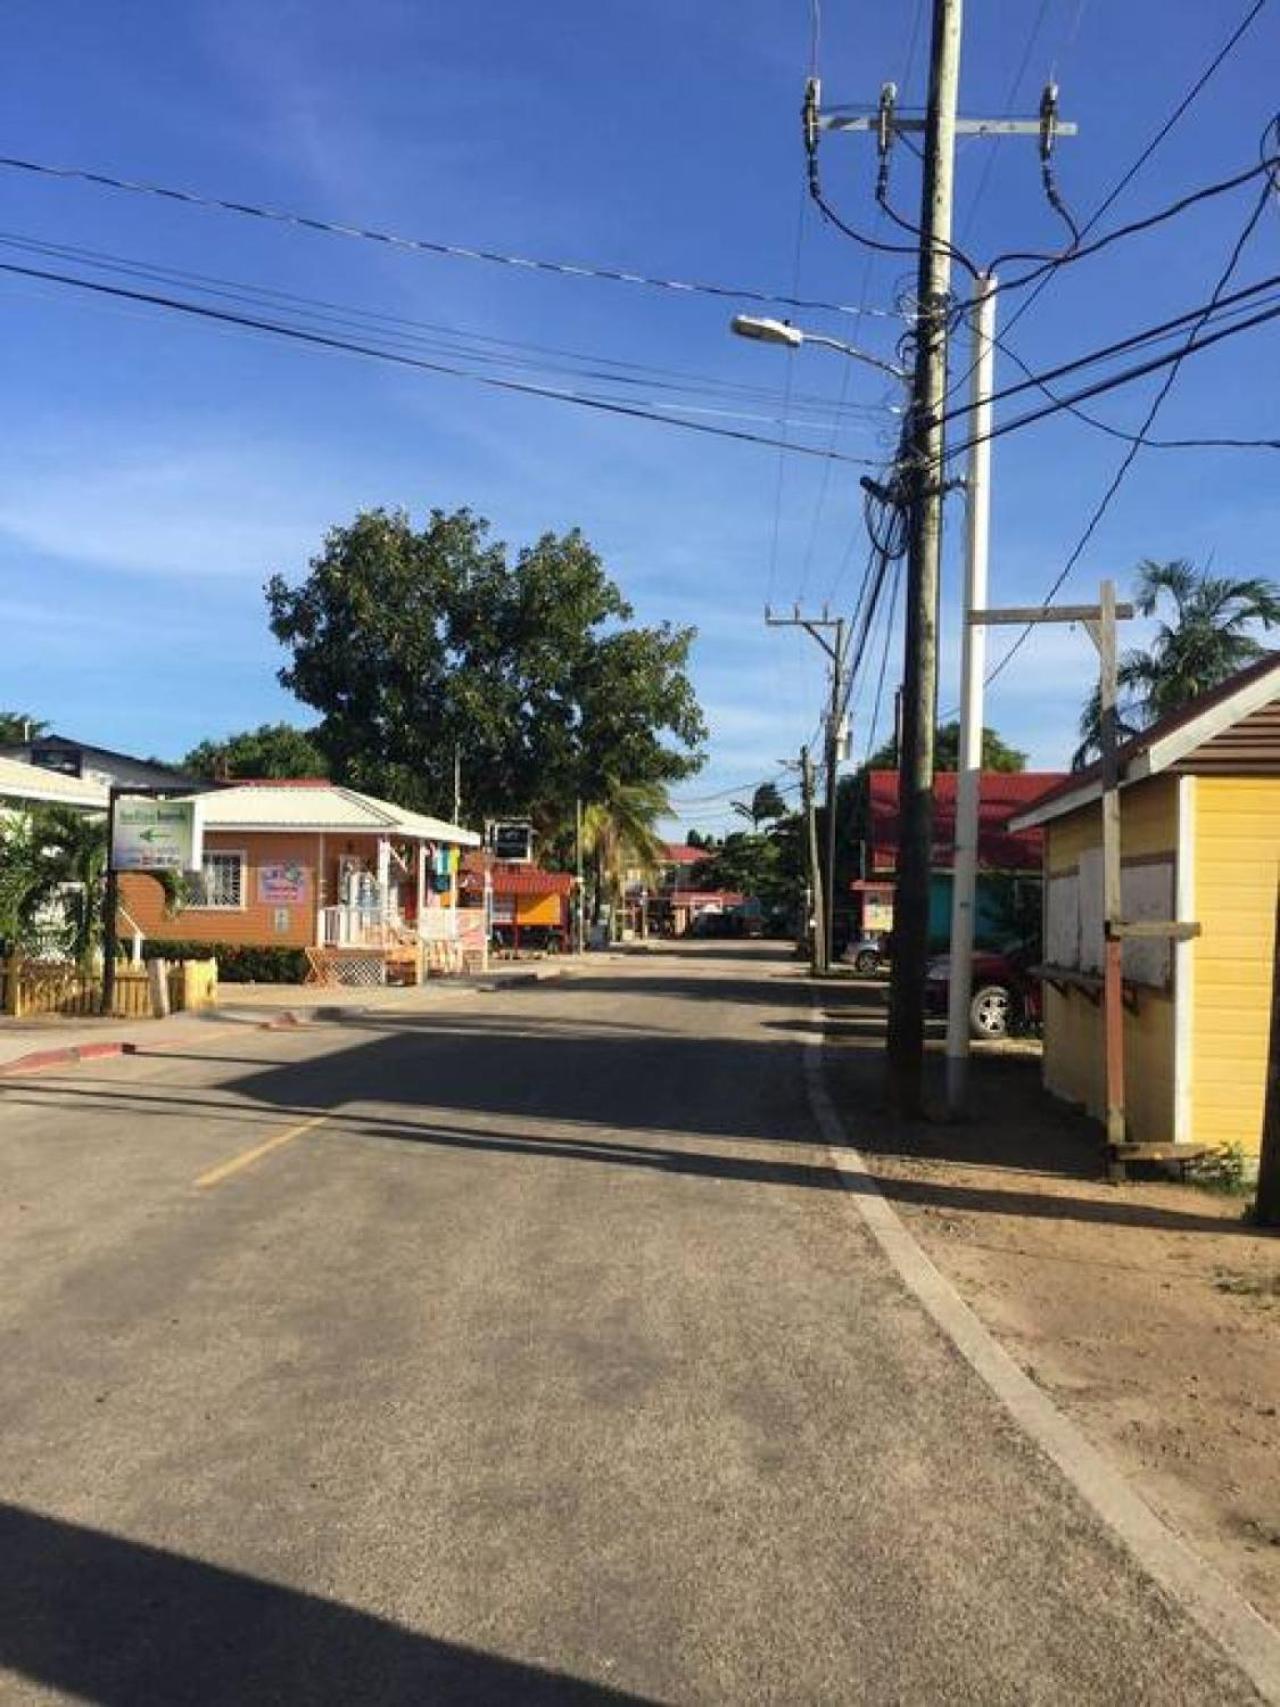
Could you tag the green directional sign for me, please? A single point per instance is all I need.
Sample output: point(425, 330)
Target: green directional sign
point(155, 835)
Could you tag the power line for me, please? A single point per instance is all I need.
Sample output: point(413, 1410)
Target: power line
point(1081, 251)
point(1115, 432)
point(1173, 359)
point(1145, 153)
point(346, 346)
point(1010, 100)
point(433, 336)
point(1126, 462)
point(423, 245)
point(1197, 316)
point(884, 664)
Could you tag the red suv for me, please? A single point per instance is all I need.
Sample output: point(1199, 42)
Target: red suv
point(1005, 997)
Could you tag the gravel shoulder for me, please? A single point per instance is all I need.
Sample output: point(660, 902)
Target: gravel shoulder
point(1148, 1310)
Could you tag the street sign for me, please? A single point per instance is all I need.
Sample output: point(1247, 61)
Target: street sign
point(155, 835)
point(512, 842)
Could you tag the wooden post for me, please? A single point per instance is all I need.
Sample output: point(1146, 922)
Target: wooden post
point(158, 980)
point(1112, 906)
point(13, 969)
point(110, 909)
point(422, 912)
point(1267, 1205)
point(1101, 620)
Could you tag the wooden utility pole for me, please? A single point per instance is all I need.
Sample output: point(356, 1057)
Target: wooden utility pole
point(920, 477)
point(923, 474)
point(817, 934)
point(1267, 1207)
point(816, 628)
point(1112, 909)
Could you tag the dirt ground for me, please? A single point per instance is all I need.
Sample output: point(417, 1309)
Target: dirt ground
point(1149, 1311)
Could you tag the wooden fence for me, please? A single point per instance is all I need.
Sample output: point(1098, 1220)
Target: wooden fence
point(29, 987)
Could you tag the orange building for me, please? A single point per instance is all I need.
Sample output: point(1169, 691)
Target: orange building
point(353, 880)
point(525, 903)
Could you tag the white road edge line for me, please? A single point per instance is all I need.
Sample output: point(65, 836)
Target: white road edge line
point(1192, 1582)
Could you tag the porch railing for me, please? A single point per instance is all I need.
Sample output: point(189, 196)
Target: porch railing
point(360, 927)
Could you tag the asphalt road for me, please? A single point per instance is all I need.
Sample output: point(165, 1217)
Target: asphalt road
point(524, 1350)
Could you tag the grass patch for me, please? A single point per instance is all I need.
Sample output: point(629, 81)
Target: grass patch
point(1264, 1287)
point(1226, 1171)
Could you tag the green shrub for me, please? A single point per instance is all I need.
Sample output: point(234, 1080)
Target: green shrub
point(238, 963)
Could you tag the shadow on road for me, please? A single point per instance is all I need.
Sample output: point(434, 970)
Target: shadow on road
point(590, 1088)
point(118, 1623)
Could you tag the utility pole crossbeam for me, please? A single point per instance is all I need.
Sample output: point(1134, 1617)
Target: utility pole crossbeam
point(816, 628)
point(923, 491)
point(903, 125)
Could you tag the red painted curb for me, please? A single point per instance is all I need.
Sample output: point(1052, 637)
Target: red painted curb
point(99, 1051)
point(39, 1059)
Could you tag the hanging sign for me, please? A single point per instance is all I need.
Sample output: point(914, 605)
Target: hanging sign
point(156, 835)
point(512, 842)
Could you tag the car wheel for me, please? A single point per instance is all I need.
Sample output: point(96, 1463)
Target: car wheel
point(990, 1012)
point(866, 962)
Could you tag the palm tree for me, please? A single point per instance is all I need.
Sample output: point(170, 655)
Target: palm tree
point(1207, 641)
point(765, 803)
point(16, 727)
point(619, 830)
point(22, 879)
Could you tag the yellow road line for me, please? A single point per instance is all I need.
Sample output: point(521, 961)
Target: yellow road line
point(246, 1158)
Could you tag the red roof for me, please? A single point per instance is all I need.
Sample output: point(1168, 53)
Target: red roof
point(512, 879)
point(1002, 795)
point(680, 853)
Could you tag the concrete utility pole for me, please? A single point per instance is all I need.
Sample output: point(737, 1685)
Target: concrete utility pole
point(973, 664)
point(825, 881)
point(921, 476)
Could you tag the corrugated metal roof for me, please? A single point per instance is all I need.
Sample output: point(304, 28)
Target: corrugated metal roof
point(516, 880)
point(1000, 794)
point(19, 781)
point(327, 807)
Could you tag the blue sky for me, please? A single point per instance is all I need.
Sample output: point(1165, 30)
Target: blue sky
point(156, 471)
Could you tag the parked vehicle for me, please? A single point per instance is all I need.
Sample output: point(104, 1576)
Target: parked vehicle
point(1005, 997)
point(867, 953)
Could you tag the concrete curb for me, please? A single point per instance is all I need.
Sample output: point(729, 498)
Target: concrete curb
point(1237, 1628)
point(39, 1059)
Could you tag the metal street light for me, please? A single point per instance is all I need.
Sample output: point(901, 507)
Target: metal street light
point(766, 331)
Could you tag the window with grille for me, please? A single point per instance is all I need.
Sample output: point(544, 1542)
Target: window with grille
point(221, 881)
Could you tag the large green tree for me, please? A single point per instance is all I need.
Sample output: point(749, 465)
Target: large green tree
point(270, 750)
point(997, 754)
point(413, 643)
point(768, 865)
point(1206, 633)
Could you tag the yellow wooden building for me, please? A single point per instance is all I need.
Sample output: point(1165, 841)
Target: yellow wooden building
point(1200, 844)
